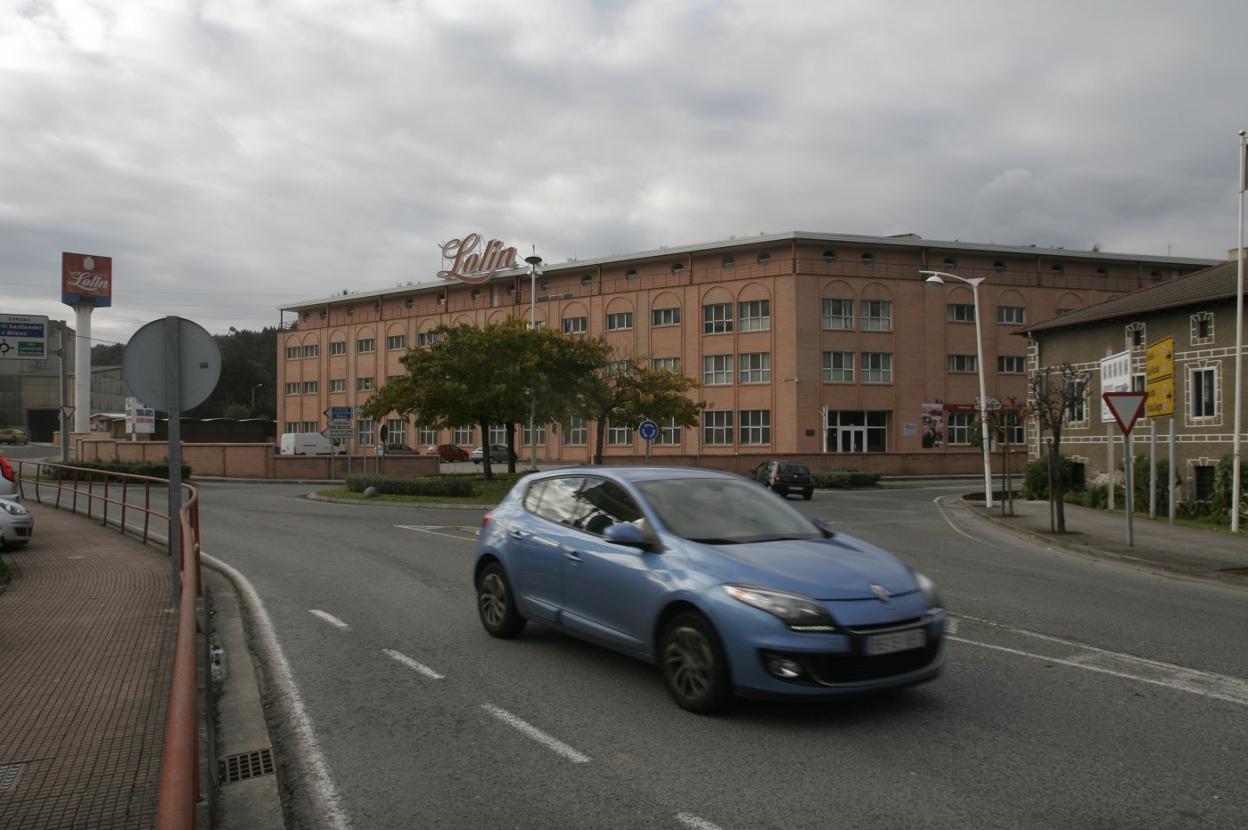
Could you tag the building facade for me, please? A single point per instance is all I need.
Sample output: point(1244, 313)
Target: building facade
point(1198, 312)
point(827, 347)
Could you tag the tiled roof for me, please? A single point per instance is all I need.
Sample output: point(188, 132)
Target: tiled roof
point(1209, 285)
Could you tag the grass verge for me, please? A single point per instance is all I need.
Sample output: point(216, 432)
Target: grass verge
point(484, 492)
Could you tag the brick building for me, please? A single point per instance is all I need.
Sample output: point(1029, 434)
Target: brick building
point(823, 346)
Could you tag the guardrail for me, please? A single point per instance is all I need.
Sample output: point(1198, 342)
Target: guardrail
point(66, 487)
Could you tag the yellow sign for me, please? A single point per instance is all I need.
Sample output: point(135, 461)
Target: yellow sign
point(1160, 403)
point(1159, 361)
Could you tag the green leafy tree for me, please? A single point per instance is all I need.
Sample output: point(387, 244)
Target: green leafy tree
point(635, 392)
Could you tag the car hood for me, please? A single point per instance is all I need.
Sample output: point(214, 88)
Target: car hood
point(839, 568)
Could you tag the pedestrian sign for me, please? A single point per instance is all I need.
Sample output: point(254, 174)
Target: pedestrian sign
point(1126, 407)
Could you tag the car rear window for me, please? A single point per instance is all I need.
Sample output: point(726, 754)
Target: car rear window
point(795, 469)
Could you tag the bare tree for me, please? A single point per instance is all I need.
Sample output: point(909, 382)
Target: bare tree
point(1057, 394)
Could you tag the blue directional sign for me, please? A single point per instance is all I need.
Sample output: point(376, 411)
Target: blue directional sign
point(23, 337)
point(648, 430)
point(338, 413)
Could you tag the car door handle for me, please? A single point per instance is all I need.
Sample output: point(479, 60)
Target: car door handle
point(516, 533)
point(571, 554)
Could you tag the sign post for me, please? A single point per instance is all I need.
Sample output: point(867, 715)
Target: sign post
point(648, 430)
point(1159, 383)
point(1126, 407)
point(339, 429)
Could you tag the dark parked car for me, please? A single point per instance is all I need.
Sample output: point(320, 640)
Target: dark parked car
point(448, 452)
point(785, 477)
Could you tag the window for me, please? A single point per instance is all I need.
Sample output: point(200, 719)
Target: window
point(756, 367)
point(308, 426)
point(838, 367)
point(393, 378)
point(428, 437)
point(541, 324)
point(717, 318)
point(396, 432)
point(727, 262)
point(311, 350)
point(998, 265)
point(960, 312)
point(764, 258)
point(1010, 428)
point(1205, 477)
point(526, 435)
point(310, 387)
point(575, 325)
point(962, 363)
point(951, 264)
point(877, 315)
point(755, 315)
point(337, 384)
point(619, 321)
point(1202, 328)
point(756, 426)
point(365, 345)
point(665, 317)
point(575, 432)
point(829, 255)
point(666, 364)
point(619, 436)
point(877, 367)
point(1010, 364)
point(292, 352)
point(617, 367)
point(1077, 392)
point(604, 503)
point(677, 268)
point(630, 274)
point(1204, 392)
point(338, 347)
point(669, 432)
point(557, 500)
point(958, 428)
point(1057, 269)
point(427, 338)
point(868, 259)
point(364, 384)
point(292, 388)
point(838, 314)
point(716, 428)
point(855, 431)
point(498, 434)
point(717, 369)
point(292, 426)
point(462, 435)
point(1135, 336)
point(1011, 314)
point(364, 432)
point(396, 341)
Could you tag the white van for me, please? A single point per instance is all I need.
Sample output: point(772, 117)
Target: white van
point(306, 443)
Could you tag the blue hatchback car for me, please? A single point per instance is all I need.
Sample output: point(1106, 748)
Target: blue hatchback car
point(725, 587)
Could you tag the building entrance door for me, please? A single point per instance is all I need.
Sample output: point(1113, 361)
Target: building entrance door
point(852, 439)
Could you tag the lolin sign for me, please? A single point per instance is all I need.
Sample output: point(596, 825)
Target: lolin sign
point(473, 264)
point(86, 279)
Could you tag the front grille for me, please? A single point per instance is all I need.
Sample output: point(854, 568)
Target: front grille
point(874, 627)
point(831, 669)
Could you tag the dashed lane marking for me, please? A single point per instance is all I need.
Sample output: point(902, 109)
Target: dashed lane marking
point(553, 744)
point(412, 664)
point(696, 822)
point(328, 617)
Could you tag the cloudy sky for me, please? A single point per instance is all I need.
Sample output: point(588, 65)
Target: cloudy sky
point(233, 155)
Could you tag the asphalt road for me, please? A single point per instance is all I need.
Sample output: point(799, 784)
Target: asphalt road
point(1078, 693)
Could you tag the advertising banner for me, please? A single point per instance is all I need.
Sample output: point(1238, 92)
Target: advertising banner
point(933, 424)
point(86, 280)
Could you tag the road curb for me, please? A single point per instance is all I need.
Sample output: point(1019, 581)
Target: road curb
point(422, 505)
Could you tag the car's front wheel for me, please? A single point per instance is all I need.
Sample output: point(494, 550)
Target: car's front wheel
point(496, 604)
point(694, 665)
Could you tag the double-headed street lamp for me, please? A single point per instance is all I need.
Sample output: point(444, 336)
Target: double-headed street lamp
point(534, 261)
point(938, 278)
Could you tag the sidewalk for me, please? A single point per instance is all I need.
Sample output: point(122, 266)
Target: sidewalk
point(1186, 551)
point(87, 634)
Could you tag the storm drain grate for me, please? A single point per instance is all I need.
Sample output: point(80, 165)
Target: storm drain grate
point(245, 765)
point(10, 774)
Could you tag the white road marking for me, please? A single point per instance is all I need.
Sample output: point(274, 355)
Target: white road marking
point(412, 664)
point(940, 509)
point(329, 618)
point(309, 771)
point(696, 822)
point(435, 532)
point(536, 734)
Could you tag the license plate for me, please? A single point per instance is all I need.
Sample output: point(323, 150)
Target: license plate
point(896, 641)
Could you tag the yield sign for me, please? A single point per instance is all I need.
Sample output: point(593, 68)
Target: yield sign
point(1126, 407)
point(68, 411)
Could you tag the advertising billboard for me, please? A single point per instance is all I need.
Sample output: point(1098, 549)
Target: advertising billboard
point(86, 279)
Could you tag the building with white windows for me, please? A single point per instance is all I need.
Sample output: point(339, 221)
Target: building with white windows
point(827, 347)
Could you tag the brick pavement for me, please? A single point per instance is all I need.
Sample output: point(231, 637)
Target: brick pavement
point(87, 633)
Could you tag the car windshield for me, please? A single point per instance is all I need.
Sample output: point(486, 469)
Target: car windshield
point(723, 511)
point(795, 469)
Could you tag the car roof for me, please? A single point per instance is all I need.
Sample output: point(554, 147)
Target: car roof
point(633, 474)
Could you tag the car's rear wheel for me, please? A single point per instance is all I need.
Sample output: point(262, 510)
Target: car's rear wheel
point(694, 665)
point(496, 604)
point(806, 494)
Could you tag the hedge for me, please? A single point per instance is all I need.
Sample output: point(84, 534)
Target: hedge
point(1036, 478)
point(431, 486)
point(154, 469)
point(842, 479)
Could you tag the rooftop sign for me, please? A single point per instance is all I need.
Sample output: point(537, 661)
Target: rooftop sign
point(472, 264)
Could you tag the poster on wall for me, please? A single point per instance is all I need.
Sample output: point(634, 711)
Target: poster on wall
point(933, 425)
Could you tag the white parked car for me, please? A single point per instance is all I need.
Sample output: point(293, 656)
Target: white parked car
point(16, 524)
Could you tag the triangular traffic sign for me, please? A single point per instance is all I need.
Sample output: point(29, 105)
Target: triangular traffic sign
point(1126, 407)
point(68, 411)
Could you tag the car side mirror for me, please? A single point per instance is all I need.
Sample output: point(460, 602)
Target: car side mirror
point(623, 533)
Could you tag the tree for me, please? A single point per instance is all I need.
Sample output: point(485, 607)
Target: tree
point(634, 392)
point(1057, 392)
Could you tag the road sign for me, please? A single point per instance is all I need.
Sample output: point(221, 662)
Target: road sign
point(1126, 407)
point(1159, 378)
point(68, 412)
point(198, 365)
point(337, 431)
point(1115, 377)
point(23, 337)
point(338, 413)
point(992, 406)
point(648, 430)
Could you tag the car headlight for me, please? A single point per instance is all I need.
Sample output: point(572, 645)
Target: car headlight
point(13, 508)
point(929, 590)
point(796, 611)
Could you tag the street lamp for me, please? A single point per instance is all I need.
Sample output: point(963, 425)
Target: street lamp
point(938, 278)
point(253, 396)
point(534, 261)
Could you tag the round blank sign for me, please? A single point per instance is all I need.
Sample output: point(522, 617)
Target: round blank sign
point(199, 364)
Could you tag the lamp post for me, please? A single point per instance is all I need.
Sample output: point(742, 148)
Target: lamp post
point(534, 261)
point(253, 396)
point(1239, 335)
point(938, 278)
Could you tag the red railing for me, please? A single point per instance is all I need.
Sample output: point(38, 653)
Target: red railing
point(178, 798)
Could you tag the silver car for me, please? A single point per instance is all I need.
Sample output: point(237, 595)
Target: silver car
point(16, 524)
point(498, 454)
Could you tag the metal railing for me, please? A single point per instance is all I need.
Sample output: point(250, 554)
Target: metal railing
point(66, 487)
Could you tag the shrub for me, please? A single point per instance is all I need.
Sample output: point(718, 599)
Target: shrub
point(1036, 477)
point(1222, 486)
point(842, 479)
point(155, 469)
point(1141, 485)
point(430, 486)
